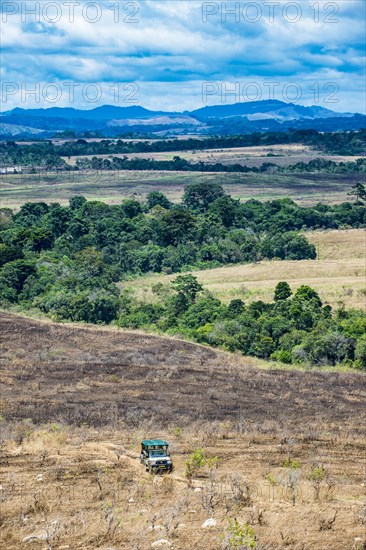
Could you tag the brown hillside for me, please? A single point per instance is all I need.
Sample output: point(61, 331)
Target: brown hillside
point(55, 372)
point(76, 403)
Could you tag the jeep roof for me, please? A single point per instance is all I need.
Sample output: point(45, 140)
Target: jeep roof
point(154, 443)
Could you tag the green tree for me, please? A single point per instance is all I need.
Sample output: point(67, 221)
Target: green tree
point(225, 208)
point(91, 261)
point(77, 202)
point(360, 353)
point(40, 238)
point(262, 346)
point(6, 218)
point(156, 198)
point(131, 208)
point(282, 291)
point(306, 293)
point(9, 253)
point(236, 308)
point(13, 275)
point(199, 196)
point(205, 310)
point(287, 246)
point(188, 286)
point(31, 213)
point(358, 191)
point(239, 536)
point(196, 461)
point(177, 305)
point(176, 227)
point(328, 348)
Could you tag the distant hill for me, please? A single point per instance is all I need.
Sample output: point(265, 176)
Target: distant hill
point(17, 130)
point(106, 112)
point(112, 120)
point(256, 110)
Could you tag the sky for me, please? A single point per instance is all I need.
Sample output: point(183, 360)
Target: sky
point(182, 54)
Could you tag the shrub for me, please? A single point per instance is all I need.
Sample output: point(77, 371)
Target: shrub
point(282, 355)
point(360, 353)
point(239, 535)
point(197, 461)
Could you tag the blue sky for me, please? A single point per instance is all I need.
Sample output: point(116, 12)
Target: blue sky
point(177, 55)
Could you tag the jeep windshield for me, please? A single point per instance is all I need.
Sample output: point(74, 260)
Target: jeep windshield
point(159, 452)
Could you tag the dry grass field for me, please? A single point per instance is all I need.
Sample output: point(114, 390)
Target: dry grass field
point(283, 155)
point(112, 187)
point(290, 445)
point(338, 274)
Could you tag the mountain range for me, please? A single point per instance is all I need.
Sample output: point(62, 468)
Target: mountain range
point(112, 120)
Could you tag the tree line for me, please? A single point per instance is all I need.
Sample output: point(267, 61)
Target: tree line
point(179, 164)
point(49, 155)
point(348, 143)
point(295, 328)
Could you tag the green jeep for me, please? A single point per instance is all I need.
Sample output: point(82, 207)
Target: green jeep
point(155, 456)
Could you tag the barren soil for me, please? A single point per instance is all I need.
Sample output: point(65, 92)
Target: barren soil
point(77, 401)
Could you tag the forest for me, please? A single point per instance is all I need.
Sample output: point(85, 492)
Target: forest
point(68, 262)
point(179, 164)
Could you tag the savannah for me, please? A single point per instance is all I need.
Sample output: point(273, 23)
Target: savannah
point(338, 274)
point(268, 450)
point(183, 275)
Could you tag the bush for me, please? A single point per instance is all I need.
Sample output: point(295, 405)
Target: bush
point(329, 348)
point(360, 353)
point(282, 355)
point(197, 460)
point(239, 536)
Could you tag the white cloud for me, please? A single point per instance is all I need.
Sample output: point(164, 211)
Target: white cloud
point(171, 47)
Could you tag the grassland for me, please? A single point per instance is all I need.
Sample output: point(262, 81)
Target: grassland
point(77, 401)
point(281, 155)
point(113, 187)
point(338, 274)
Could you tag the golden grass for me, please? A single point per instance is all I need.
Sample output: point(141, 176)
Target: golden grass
point(40, 440)
point(251, 156)
point(338, 274)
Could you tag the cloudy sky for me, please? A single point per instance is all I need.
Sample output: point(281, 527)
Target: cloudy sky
point(177, 55)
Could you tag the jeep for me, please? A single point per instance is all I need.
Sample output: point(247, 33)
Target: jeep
point(155, 456)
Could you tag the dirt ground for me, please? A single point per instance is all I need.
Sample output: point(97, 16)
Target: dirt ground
point(76, 402)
